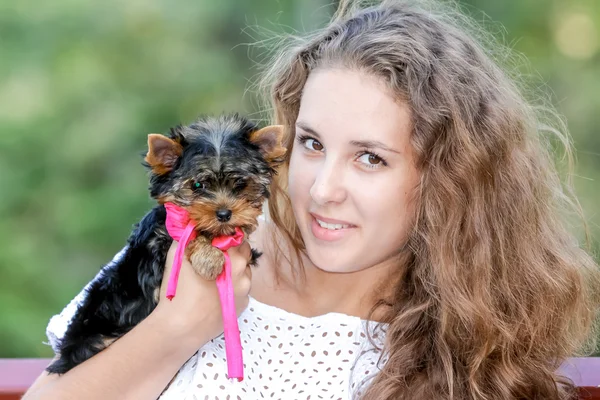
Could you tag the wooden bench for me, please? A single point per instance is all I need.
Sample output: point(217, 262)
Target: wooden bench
point(16, 375)
point(585, 373)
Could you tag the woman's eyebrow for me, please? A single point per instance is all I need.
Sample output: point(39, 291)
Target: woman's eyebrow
point(369, 144)
point(308, 129)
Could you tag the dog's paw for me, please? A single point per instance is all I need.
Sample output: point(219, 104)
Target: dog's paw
point(208, 262)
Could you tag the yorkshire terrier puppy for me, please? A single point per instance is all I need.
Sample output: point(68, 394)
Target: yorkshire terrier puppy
point(219, 170)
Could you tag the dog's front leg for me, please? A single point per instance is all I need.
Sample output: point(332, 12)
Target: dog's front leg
point(206, 260)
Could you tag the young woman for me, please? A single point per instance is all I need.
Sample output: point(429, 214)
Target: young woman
point(415, 246)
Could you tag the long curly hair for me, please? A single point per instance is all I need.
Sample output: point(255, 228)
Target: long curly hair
point(496, 291)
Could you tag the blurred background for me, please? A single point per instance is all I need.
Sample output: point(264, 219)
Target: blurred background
point(82, 83)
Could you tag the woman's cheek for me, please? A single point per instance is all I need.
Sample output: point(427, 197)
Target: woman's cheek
point(298, 176)
point(380, 201)
point(303, 170)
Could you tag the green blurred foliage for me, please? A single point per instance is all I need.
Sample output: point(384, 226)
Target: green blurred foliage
point(83, 83)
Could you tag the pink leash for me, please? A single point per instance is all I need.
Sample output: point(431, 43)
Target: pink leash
point(181, 228)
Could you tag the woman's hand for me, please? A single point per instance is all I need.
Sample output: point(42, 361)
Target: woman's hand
point(196, 305)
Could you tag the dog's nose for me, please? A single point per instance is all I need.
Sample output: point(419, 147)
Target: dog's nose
point(223, 215)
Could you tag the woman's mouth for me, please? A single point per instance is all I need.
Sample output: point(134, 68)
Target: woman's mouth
point(328, 229)
point(325, 225)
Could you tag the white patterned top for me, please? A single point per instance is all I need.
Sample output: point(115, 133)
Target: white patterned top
point(286, 356)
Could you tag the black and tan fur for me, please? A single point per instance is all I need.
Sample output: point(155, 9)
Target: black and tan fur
point(218, 165)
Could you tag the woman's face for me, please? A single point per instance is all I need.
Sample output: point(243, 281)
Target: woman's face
point(351, 173)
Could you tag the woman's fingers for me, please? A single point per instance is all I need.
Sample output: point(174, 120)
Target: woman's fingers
point(168, 267)
point(240, 271)
point(240, 257)
point(243, 251)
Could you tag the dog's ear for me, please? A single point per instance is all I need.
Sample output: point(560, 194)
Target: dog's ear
point(269, 139)
point(162, 153)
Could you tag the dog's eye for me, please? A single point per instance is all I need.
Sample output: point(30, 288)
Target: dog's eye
point(240, 184)
point(199, 185)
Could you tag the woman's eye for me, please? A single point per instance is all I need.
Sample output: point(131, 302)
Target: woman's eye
point(312, 144)
point(371, 160)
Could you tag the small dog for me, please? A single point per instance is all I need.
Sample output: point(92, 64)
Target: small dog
point(219, 170)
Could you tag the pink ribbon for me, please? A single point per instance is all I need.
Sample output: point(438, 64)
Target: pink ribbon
point(181, 228)
point(233, 345)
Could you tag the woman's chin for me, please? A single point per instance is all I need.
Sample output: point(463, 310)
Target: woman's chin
point(330, 261)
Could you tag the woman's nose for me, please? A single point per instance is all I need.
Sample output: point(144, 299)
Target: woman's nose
point(328, 185)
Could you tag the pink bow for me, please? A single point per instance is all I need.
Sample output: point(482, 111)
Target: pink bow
point(181, 228)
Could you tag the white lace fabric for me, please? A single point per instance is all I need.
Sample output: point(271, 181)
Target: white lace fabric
point(286, 356)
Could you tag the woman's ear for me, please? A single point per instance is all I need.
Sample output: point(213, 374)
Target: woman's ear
point(268, 140)
point(162, 153)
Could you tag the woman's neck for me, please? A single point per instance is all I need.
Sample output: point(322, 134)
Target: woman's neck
point(352, 293)
point(316, 292)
